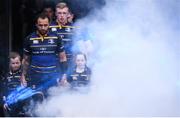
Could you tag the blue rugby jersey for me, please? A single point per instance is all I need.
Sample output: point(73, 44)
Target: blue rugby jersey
point(79, 79)
point(43, 51)
point(11, 81)
point(66, 33)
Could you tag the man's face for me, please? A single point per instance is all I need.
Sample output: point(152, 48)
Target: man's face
point(49, 12)
point(15, 64)
point(62, 15)
point(42, 25)
point(80, 61)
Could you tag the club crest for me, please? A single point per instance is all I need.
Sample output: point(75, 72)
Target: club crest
point(67, 29)
point(35, 41)
point(51, 41)
point(53, 29)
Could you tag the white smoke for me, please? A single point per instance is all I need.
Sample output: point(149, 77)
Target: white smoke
point(136, 64)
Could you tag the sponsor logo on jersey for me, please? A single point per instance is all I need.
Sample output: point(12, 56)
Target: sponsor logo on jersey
point(42, 49)
point(35, 41)
point(67, 29)
point(53, 29)
point(62, 36)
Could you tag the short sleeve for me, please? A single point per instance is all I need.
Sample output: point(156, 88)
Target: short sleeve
point(26, 46)
point(60, 44)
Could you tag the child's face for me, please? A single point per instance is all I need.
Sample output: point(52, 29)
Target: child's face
point(15, 64)
point(80, 60)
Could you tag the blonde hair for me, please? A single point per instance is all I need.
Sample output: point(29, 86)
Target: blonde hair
point(61, 5)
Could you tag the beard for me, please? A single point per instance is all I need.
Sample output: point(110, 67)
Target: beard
point(43, 32)
point(14, 69)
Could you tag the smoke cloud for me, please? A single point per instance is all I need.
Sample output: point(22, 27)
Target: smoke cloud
point(135, 63)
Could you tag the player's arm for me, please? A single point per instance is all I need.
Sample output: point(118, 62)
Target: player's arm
point(26, 59)
point(64, 66)
point(63, 61)
point(25, 65)
point(62, 56)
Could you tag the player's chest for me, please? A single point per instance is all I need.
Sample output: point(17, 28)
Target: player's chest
point(47, 41)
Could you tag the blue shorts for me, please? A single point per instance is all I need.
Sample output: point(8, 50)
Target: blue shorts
point(42, 81)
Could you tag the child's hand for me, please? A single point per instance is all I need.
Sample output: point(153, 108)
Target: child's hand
point(6, 107)
point(63, 81)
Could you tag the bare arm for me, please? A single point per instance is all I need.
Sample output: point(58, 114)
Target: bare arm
point(62, 57)
point(25, 64)
point(63, 61)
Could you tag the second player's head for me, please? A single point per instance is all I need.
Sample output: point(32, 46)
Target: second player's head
point(62, 13)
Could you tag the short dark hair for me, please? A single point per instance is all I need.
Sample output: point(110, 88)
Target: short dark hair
point(13, 55)
point(48, 6)
point(43, 16)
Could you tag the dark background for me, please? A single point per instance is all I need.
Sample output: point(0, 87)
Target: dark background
point(17, 20)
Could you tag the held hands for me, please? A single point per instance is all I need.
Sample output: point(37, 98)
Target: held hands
point(63, 81)
point(23, 81)
point(5, 106)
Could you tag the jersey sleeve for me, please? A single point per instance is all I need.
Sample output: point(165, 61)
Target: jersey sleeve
point(60, 44)
point(26, 46)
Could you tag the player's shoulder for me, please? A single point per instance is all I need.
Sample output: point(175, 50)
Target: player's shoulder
point(31, 35)
point(51, 33)
point(53, 24)
point(70, 25)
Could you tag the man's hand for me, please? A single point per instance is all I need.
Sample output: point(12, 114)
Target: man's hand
point(23, 81)
point(63, 81)
point(6, 107)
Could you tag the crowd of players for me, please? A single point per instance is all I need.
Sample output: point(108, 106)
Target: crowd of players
point(49, 59)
